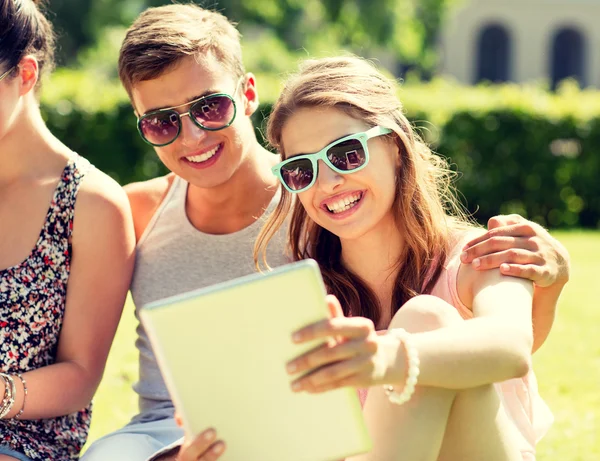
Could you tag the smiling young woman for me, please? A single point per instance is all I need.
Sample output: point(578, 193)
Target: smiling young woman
point(373, 205)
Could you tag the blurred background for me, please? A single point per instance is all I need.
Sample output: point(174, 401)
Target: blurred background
point(506, 89)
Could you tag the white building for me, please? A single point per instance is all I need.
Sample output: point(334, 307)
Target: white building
point(523, 40)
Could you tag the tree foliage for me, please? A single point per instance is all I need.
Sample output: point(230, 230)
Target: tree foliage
point(405, 29)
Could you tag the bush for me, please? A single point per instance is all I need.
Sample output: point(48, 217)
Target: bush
point(108, 139)
point(513, 162)
point(518, 149)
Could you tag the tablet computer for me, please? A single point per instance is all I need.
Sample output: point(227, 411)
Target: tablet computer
point(222, 351)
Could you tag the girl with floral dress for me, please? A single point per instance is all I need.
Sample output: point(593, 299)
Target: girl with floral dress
point(66, 258)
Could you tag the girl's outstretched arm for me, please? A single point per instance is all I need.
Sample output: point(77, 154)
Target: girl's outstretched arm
point(494, 346)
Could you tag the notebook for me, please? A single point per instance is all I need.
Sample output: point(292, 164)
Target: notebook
point(222, 351)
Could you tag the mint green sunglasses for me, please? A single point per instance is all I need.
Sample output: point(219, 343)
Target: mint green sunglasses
point(346, 155)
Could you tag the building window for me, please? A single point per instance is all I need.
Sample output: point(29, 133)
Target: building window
point(493, 54)
point(568, 56)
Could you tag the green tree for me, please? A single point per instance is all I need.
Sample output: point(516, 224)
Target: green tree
point(406, 29)
point(79, 23)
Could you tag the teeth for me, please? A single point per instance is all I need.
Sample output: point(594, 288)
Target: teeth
point(203, 157)
point(344, 204)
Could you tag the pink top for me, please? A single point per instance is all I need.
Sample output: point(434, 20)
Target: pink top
point(519, 397)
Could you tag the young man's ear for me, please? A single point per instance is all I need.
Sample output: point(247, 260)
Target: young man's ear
point(250, 93)
point(28, 74)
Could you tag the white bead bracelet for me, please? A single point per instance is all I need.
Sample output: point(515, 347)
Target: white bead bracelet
point(412, 359)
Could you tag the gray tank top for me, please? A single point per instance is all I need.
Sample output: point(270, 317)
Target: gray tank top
point(173, 257)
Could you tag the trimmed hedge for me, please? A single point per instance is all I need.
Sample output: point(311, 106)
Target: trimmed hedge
point(108, 138)
point(524, 151)
point(511, 161)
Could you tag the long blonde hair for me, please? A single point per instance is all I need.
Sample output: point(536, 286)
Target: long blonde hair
point(426, 210)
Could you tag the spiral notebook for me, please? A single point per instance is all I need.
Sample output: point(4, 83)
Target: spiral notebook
point(222, 351)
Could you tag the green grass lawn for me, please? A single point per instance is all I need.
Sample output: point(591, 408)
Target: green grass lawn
point(567, 366)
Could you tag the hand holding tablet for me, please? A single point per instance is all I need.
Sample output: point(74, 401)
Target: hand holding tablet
point(223, 352)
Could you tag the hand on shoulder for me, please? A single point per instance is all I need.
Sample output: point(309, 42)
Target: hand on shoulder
point(520, 248)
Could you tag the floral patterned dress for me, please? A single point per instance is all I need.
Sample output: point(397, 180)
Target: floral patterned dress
point(32, 306)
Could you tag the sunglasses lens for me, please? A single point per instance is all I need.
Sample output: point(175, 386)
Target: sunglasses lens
point(214, 112)
point(347, 155)
point(298, 174)
point(160, 128)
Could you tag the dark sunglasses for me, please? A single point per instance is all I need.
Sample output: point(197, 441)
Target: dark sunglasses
point(346, 155)
point(212, 113)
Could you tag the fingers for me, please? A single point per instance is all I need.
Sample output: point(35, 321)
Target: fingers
point(504, 220)
point(523, 229)
point(326, 354)
point(498, 245)
point(511, 256)
point(332, 376)
point(335, 308)
point(205, 447)
point(526, 229)
point(178, 420)
point(350, 343)
point(535, 273)
point(521, 235)
point(346, 327)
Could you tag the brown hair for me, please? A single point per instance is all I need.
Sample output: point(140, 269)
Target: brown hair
point(425, 208)
point(160, 37)
point(24, 30)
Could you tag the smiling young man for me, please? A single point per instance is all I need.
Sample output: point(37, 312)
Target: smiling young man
point(182, 68)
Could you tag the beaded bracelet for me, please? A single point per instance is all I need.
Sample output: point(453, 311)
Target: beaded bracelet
point(20, 376)
point(412, 356)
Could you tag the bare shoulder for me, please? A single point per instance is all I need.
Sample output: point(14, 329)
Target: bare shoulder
point(471, 282)
point(145, 197)
point(101, 205)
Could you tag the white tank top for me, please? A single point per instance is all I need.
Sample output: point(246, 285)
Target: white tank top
point(173, 257)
